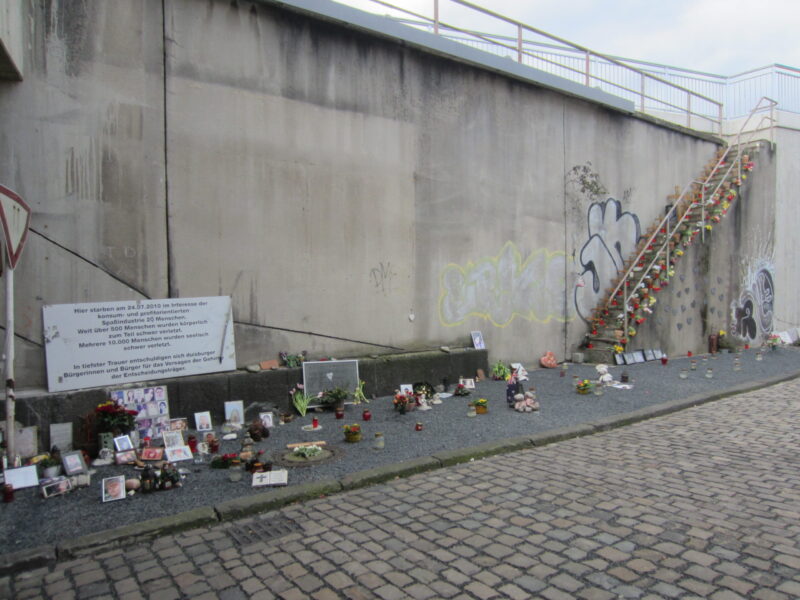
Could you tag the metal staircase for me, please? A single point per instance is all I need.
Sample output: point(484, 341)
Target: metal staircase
point(695, 212)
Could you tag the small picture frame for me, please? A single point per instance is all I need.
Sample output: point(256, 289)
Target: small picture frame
point(114, 488)
point(22, 477)
point(267, 419)
point(202, 421)
point(467, 383)
point(178, 453)
point(73, 463)
point(639, 356)
point(202, 447)
point(406, 388)
point(477, 340)
point(649, 355)
point(234, 412)
point(657, 353)
point(619, 359)
point(128, 457)
point(172, 439)
point(123, 443)
point(56, 487)
point(180, 424)
point(630, 358)
point(151, 453)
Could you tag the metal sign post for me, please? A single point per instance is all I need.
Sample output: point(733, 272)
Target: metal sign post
point(15, 217)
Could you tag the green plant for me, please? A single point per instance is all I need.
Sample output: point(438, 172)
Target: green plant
point(584, 386)
point(292, 360)
point(300, 399)
point(480, 402)
point(49, 461)
point(307, 451)
point(333, 397)
point(500, 371)
point(354, 428)
point(461, 390)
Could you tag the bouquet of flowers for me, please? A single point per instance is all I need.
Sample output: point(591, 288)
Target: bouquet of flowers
point(306, 451)
point(774, 340)
point(111, 416)
point(584, 386)
point(461, 390)
point(299, 399)
point(404, 401)
point(354, 428)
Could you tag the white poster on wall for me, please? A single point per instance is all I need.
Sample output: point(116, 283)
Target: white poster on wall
point(109, 343)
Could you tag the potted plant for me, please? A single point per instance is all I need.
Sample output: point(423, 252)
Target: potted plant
point(773, 341)
point(292, 360)
point(403, 402)
point(584, 386)
point(461, 390)
point(334, 397)
point(51, 467)
point(500, 371)
point(481, 406)
point(352, 433)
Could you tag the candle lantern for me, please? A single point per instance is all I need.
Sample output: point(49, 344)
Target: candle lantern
point(379, 442)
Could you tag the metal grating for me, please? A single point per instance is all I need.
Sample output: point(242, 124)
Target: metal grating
point(262, 530)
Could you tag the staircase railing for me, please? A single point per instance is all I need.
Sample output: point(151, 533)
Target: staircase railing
point(672, 221)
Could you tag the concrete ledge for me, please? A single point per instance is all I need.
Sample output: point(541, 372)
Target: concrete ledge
point(275, 498)
point(387, 472)
point(559, 435)
point(137, 531)
point(31, 558)
point(462, 455)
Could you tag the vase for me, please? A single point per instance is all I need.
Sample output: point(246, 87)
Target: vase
point(50, 472)
point(583, 392)
point(481, 410)
point(351, 437)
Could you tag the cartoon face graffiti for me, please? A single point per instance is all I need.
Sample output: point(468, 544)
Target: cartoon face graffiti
point(753, 314)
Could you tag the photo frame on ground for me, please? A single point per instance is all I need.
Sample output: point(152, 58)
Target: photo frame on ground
point(202, 421)
point(267, 419)
point(657, 353)
point(151, 454)
point(125, 458)
point(22, 477)
point(180, 424)
point(123, 443)
point(178, 453)
point(56, 488)
point(73, 463)
point(467, 383)
point(477, 340)
point(619, 359)
point(649, 355)
point(173, 439)
point(406, 388)
point(629, 358)
point(234, 412)
point(638, 356)
point(113, 488)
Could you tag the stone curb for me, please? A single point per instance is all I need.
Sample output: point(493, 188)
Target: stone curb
point(406, 468)
point(249, 505)
point(151, 528)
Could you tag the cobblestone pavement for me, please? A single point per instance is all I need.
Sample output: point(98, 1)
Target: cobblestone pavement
point(704, 503)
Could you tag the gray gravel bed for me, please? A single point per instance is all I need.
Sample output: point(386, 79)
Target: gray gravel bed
point(32, 521)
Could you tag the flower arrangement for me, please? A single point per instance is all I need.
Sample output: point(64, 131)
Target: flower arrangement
point(774, 340)
point(584, 386)
point(618, 348)
point(300, 399)
point(480, 402)
point(500, 371)
point(111, 416)
point(333, 397)
point(307, 451)
point(461, 390)
point(292, 360)
point(403, 401)
point(223, 461)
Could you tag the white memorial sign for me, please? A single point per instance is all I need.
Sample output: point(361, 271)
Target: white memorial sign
point(109, 343)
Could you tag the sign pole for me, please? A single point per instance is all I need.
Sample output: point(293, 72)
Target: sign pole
point(9, 364)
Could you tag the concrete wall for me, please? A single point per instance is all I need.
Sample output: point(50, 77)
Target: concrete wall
point(11, 40)
point(353, 194)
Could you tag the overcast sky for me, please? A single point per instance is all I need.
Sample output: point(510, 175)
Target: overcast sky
point(723, 37)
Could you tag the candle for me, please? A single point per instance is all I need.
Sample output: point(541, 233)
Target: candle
point(418, 427)
point(8, 493)
point(314, 423)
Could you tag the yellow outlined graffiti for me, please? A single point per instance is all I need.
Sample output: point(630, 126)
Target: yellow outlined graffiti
point(502, 287)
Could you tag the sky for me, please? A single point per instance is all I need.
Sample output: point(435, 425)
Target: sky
point(722, 37)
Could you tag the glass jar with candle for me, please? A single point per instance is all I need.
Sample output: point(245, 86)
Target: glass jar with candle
point(379, 442)
point(598, 389)
point(709, 373)
point(235, 470)
point(693, 365)
point(684, 374)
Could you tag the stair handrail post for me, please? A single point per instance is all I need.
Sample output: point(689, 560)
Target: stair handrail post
point(519, 43)
point(436, 17)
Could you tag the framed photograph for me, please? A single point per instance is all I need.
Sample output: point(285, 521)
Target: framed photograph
point(202, 448)
point(151, 453)
point(202, 421)
point(123, 443)
point(56, 488)
point(178, 424)
point(406, 388)
point(73, 463)
point(22, 477)
point(639, 356)
point(649, 355)
point(657, 353)
point(113, 488)
point(173, 438)
point(619, 359)
point(178, 453)
point(477, 340)
point(128, 457)
point(467, 383)
point(629, 358)
point(267, 419)
point(234, 412)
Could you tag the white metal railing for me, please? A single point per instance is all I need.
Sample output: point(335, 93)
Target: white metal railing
point(692, 201)
point(692, 98)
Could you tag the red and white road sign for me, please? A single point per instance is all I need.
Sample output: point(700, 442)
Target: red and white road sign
point(16, 218)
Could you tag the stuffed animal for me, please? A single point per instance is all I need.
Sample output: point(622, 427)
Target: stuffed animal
point(548, 360)
point(605, 377)
point(526, 402)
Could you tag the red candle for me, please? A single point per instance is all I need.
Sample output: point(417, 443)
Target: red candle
point(366, 415)
point(418, 427)
point(314, 423)
point(664, 360)
point(8, 493)
point(689, 354)
point(191, 441)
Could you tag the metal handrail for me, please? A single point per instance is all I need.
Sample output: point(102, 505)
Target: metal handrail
point(438, 26)
point(664, 225)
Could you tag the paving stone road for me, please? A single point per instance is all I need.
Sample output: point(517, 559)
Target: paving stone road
point(704, 503)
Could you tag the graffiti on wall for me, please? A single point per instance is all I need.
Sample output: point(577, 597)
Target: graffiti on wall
point(505, 286)
point(613, 235)
point(752, 314)
point(381, 277)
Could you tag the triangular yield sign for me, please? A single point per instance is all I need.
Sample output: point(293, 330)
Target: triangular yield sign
point(16, 218)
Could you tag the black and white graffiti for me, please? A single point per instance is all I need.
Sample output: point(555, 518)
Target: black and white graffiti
point(752, 315)
point(613, 235)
